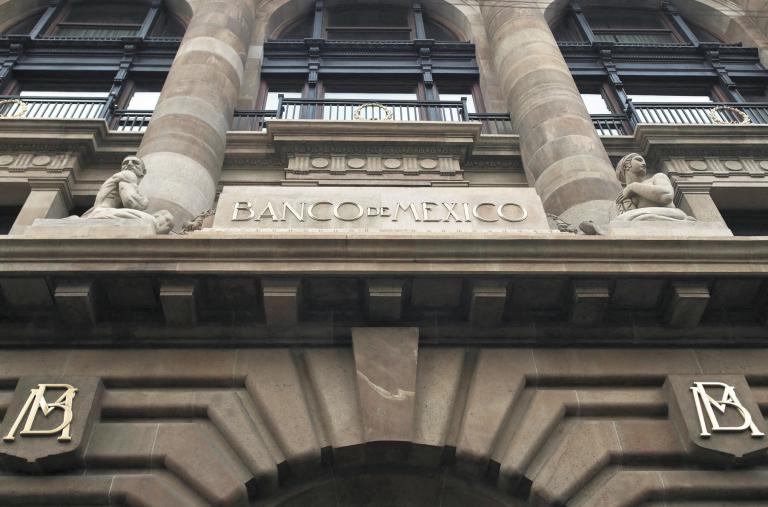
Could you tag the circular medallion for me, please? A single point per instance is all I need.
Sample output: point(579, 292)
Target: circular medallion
point(428, 163)
point(734, 165)
point(6, 159)
point(764, 165)
point(697, 165)
point(319, 163)
point(356, 163)
point(41, 160)
point(392, 163)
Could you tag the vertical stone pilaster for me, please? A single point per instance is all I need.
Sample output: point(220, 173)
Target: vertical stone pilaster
point(48, 199)
point(563, 156)
point(184, 145)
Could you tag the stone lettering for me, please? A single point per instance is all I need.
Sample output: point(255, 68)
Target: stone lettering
point(358, 214)
point(523, 212)
point(410, 207)
point(269, 212)
point(426, 209)
point(451, 207)
point(242, 206)
point(476, 212)
point(298, 214)
point(311, 211)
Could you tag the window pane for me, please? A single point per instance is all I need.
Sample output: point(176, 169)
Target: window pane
point(95, 32)
point(456, 97)
point(143, 101)
point(670, 99)
point(368, 17)
point(106, 13)
point(272, 99)
point(369, 34)
point(370, 96)
point(435, 30)
point(67, 94)
point(595, 103)
point(624, 20)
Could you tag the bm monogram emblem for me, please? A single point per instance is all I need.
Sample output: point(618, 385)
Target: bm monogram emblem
point(37, 403)
point(708, 408)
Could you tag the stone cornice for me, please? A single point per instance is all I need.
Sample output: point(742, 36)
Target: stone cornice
point(440, 254)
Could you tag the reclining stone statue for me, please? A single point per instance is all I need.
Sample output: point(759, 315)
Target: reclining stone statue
point(645, 199)
point(642, 199)
point(120, 198)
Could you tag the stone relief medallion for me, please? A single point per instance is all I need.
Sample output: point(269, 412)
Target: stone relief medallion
point(392, 163)
point(356, 163)
point(733, 165)
point(697, 165)
point(764, 164)
point(41, 160)
point(48, 422)
point(428, 163)
point(6, 159)
point(320, 163)
point(717, 417)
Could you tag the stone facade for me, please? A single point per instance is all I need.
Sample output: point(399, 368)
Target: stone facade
point(378, 313)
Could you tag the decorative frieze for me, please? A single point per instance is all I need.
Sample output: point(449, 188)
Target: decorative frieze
point(28, 162)
point(717, 167)
point(304, 164)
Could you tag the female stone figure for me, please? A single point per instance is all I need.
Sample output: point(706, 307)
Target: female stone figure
point(644, 199)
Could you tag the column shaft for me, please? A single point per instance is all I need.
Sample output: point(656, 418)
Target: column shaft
point(562, 154)
point(183, 147)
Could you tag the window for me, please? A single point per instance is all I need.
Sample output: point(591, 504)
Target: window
point(103, 20)
point(637, 66)
point(367, 23)
point(372, 64)
point(87, 35)
point(632, 26)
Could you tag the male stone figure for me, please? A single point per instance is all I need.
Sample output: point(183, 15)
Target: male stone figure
point(120, 197)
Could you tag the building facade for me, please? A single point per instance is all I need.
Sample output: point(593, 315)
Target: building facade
point(347, 253)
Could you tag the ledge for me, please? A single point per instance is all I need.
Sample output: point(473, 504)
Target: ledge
point(438, 254)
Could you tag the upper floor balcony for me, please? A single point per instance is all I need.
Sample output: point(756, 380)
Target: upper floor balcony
point(137, 120)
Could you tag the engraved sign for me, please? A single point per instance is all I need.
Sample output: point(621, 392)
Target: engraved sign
point(378, 209)
point(706, 406)
point(38, 404)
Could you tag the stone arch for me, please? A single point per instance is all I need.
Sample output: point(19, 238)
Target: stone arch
point(456, 14)
point(15, 11)
point(725, 19)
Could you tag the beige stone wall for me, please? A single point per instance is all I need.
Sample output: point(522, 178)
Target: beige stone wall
point(586, 427)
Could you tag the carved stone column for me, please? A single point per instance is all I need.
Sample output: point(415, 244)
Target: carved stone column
point(562, 154)
point(184, 145)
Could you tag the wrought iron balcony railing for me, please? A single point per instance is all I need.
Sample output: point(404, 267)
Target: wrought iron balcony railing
point(125, 120)
point(721, 113)
point(52, 107)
